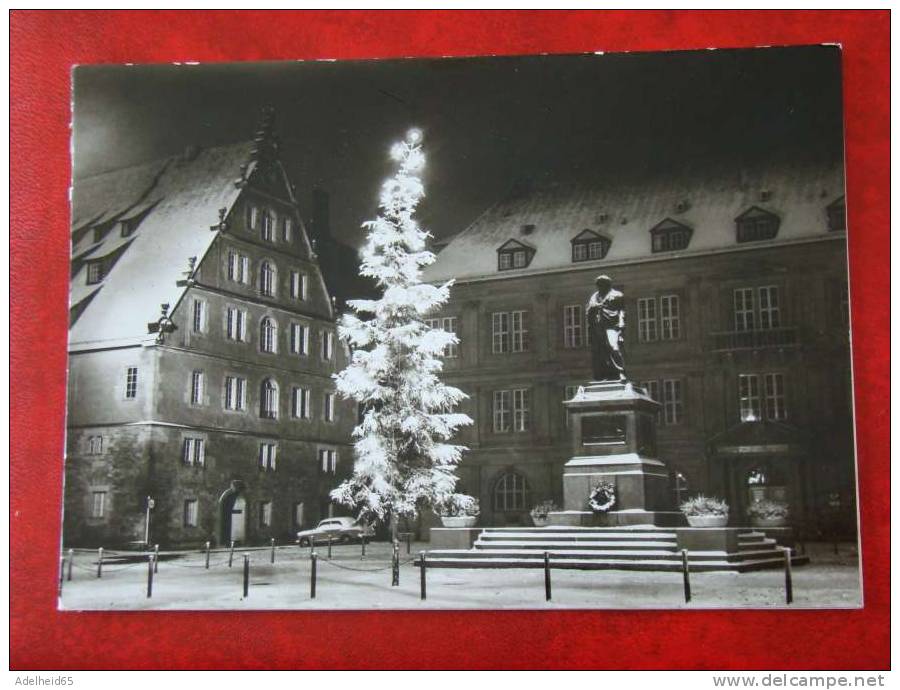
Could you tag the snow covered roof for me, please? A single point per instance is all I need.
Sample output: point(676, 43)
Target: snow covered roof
point(181, 198)
point(625, 212)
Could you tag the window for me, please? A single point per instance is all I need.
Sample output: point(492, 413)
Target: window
point(268, 400)
point(510, 493)
point(670, 318)
point(328, 461)
point(127, 227)
point(268, 335)
point(299, 339)
point(647, 319)
point(573, 326)
point(756, 225)
point(447, 323)
point(268, 226)
point(131, 382)
point(670, 236)
point(234, 393)
point(327, 344)
point(673, 403)
point(298, 285)
point(837, 215)
point(652, 388)
point(96, 271)
point(267, 452)
point(757, 308)
point(328, 412)
point(300, 403)
point(748, 390)
point(769, 310)
point(775, 404)
point(100, 233)
point(267, 279)
point(265, 514)
point(190, 512)
point(198, 316)
point(287, 228)
point(511, 410)
point(252, 217)
point(589, 246)
point(95, 445)
point(197, 386)
point(510, 331)
point(193, 452)
point(238, 268)
point(514, 254)
point(98, 504)
point(235, 324)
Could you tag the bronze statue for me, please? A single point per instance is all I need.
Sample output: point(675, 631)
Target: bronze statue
point(606, 321)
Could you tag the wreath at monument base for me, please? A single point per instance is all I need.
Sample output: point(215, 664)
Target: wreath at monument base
point(603, 497)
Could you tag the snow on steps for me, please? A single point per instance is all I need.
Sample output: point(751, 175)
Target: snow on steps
point(628, 548)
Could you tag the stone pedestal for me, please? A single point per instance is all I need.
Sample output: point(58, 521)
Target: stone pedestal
point(613, 428)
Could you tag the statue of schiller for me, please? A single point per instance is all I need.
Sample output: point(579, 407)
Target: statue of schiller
point(606, 321)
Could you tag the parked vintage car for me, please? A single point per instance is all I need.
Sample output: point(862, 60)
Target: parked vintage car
point(340, 530)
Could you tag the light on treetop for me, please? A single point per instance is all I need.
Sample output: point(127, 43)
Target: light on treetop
point(414, 136)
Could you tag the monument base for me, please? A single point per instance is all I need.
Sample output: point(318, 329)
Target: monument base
point(616, 518)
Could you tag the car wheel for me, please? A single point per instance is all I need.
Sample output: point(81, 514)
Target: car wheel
point(304, 541)
point(345, 539)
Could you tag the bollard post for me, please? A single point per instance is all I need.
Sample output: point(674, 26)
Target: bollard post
point(62, 573)
point(686, 572)
point(100, 562)
point(312, 575)
point(273, 550)
point(329, 548)
point(422, 573)
point(395, 563)
point(408, 542)
point(71, 560)
point(547, 590)
point(156, 558)
point(150, 570)
point(207, 555)
point(363, 542)
point(231, 555)
point(246, 575)
point(788, 577)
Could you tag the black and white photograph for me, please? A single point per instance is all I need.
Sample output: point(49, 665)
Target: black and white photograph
point(555, 331)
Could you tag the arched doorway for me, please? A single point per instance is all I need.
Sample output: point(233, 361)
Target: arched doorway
point(233, 515)
point(510, 498)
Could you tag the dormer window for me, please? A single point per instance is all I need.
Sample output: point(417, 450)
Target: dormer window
point(837, 215)
point(96, 271)
point(756, 225)
point(588, 245)
point(514, 254)
point(670, 236)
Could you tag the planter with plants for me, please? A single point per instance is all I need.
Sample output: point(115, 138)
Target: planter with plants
point(460, 511)
point(540, 513)
point(705, 511)
point(767, 512)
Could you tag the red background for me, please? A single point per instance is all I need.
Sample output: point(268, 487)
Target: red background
point(45, 45)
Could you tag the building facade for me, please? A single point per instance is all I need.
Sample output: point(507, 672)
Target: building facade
point(737, 323)
point(202, 345)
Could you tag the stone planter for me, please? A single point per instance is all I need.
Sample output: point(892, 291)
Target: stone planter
point(540, 521)
point(459, 521)
point(707, 520)
point(768, 522)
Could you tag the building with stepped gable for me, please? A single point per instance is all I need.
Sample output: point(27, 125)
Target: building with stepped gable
point(737, 307)
point(201, 349)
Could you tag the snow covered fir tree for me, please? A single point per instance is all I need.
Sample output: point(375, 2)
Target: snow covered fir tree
point(405, 461)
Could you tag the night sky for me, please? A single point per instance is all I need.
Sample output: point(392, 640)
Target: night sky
point(488, 122)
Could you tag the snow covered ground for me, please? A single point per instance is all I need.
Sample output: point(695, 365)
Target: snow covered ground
point(348, 582)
